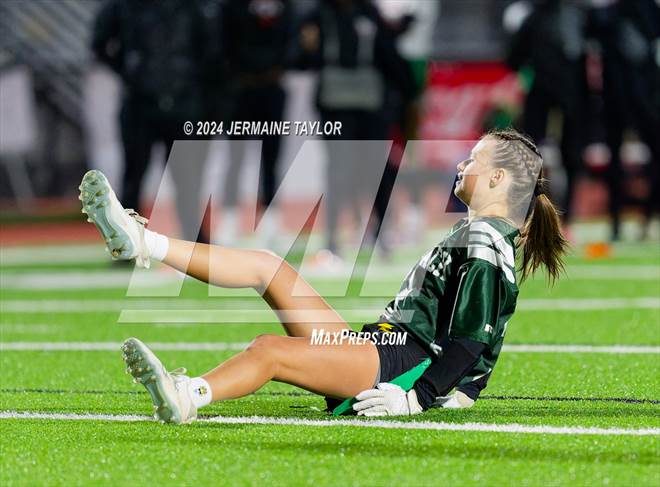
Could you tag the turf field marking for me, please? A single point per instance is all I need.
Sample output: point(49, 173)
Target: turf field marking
point(299, 393)
point(588, 304)
point(107, 279)
point(118, 278)
point(223, 346)
point(359, 423)
point(232, 305)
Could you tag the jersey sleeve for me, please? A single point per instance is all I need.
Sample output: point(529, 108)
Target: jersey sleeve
point(476, 309)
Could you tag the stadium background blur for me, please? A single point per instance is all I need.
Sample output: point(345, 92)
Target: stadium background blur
point(60, 104)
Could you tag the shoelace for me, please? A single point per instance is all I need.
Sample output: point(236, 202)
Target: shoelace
point(142, 258)
point(178, 371)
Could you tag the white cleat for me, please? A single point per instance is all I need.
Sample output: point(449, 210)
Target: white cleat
point(168, 390)
point(122, 229)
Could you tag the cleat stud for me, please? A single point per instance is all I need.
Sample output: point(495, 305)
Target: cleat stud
point(89, 220)
point(115, 253)
point(83, 211)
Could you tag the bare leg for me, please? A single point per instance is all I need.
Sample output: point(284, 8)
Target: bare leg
point(338, 371)
point(298, 306)
point(333, 370)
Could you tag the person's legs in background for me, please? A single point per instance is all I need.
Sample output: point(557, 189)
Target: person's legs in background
point(645, 116)
point(374, 128)
point(186, 165)
point(272, 99)
point(228, 231)
point(614, 111)
point(338, 171)
point(138, 138)
point(571, 147)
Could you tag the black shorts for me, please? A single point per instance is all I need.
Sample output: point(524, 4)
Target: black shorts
point(395, 359)
point(398, 358)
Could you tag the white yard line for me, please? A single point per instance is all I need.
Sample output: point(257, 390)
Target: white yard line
point(52, 254)
point(358, 423)
point(231, 305)
point(224, 346)
point(115, 346)
point(107, 279)
point(120, 278)
point(536, 348)
point(577, 304)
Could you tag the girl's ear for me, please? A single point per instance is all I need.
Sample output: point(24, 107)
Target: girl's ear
point(496, 177)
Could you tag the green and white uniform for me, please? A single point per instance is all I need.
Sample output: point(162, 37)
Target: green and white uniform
point(465, 287)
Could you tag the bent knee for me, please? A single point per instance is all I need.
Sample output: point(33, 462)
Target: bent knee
point(265, 344)
point(270, 264)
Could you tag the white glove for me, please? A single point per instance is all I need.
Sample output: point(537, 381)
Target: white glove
point(457, 400)
point(387, 400)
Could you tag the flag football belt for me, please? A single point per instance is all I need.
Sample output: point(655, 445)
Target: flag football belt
point(405, 381)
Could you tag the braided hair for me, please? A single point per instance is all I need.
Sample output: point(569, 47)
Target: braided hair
point(541, 238)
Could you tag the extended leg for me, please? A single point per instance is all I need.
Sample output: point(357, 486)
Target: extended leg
point(331, 370)
point(338, 371)
point(297, 304)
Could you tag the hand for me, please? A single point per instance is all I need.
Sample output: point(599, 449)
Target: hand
point(387, 400)
point(457, 400)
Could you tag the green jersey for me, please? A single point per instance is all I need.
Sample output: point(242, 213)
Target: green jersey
point(465, 287)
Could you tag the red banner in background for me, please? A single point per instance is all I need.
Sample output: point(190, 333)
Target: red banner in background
point(458, 98)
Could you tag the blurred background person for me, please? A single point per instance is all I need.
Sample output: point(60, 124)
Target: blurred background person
point(257, 37)
point(70, 102)
point(355, 53)
point(550, 43)
point(161, 51)
point(628, 33)
point(412, 24)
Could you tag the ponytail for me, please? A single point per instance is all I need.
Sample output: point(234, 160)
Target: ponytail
point(542, 241)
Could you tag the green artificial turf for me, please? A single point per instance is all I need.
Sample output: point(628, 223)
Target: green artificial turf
point(552, 389)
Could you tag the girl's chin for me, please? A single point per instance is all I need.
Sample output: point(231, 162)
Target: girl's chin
point(460, 194)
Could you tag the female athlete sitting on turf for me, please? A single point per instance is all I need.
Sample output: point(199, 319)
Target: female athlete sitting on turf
point(454, 304)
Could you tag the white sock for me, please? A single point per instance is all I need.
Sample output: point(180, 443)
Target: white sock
point(200, 392)
point(157, 244)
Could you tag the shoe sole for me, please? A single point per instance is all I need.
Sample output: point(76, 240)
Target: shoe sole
point(95, 194)
point(147, 370)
